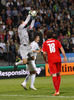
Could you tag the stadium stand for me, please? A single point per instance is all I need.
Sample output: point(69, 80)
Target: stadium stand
point(53, 15)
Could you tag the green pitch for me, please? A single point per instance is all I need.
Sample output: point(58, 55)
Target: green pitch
point(10, 89)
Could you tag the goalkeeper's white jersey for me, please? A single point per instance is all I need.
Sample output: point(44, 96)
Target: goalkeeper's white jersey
point(23, 35)
point(22, 32)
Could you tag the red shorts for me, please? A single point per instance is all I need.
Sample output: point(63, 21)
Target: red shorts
point(55, 67)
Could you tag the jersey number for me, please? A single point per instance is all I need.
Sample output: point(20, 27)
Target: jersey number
point(52, 47)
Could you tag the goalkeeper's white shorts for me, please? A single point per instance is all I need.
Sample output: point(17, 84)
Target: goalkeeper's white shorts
point(24, 51)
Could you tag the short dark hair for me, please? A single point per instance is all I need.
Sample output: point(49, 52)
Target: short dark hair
point(49, 34)
point(36, 36)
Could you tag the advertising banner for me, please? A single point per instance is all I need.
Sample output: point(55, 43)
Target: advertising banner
point(66, 69)
point(8, 71)
point(70, 57)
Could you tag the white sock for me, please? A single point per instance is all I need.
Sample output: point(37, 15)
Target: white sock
point(33, 64)
point(19, 63)
point(27, 79)
point(32, 79)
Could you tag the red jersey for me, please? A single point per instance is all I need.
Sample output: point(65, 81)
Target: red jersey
point(51, 47)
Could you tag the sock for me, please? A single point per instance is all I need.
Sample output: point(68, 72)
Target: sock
point(33, 64)
point(32, 79)
point(55, 82)
point(59, 81)
point(19, 63)
point(27, 79)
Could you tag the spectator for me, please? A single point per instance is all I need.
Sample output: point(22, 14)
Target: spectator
point(3, 50)
point(72, 38)
point(8, 12)
point(17, 4)
point(0, 20)
point(37, 23)
point(3, 14)
point(71, 47)
point(11, 32)
point(16, 46)
point(1, 36)
point(72, 11)
point(9, 40)
point(15, 37)
point(1, 53)
point(12, 52)
point(61, 38)
point(66, 47)
point(15, 14)
point(7, 52)
point(3, 25)
point(2, 44)
point(17, 58)
point(5, 36)
point(1, 28)
point(9, 21)
point(9, 4)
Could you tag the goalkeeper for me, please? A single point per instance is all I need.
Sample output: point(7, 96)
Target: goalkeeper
point(25, 49)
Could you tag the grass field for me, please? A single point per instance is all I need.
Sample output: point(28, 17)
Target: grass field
point(10, 89)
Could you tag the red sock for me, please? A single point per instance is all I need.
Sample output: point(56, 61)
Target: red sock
point(55, 82)
point(59, 81)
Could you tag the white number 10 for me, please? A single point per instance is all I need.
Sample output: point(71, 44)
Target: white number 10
point(52, 47)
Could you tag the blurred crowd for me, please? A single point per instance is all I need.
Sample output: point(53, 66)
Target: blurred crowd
point(52, 15)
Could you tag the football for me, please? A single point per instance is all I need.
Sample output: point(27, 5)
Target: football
point(33, 13)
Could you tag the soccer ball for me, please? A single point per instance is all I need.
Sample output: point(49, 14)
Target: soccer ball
point(33, 13)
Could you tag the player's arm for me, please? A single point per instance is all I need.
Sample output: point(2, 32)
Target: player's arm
point(33, 20)
point(37, 51)
point(44, 52)
point(32, 24)
point(45, 57)
point(24, 23)
point(63, 52)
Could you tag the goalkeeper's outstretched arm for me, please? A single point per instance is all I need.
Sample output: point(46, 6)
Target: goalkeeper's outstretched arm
point(24, 23)
point(32, 24)
point(33, 14)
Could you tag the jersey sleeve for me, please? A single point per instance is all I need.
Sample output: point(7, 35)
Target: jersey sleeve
point(25, 22)
point(32, 24)
point(59, 44)
point(44, 47)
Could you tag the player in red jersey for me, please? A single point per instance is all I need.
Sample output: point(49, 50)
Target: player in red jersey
point(51, 47)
